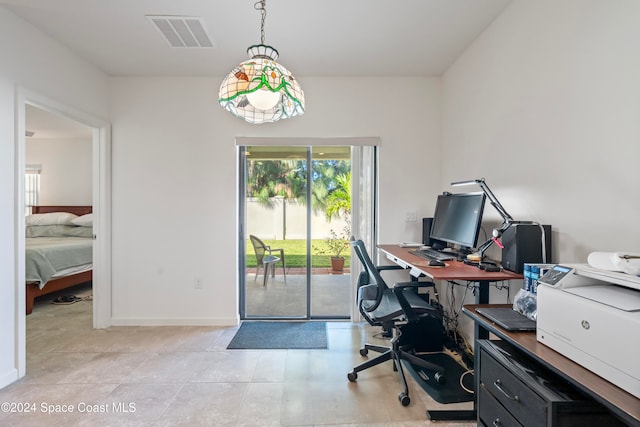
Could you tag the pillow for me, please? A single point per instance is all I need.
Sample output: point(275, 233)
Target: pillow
point(54, 230)
point(52, 218)
point(84, 220)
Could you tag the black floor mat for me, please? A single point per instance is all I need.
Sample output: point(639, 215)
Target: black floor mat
point(280, 335)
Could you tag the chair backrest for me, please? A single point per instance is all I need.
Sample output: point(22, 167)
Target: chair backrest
point(366, 300)
point(259, 248)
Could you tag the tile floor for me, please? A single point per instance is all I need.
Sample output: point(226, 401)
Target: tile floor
point(173, 376)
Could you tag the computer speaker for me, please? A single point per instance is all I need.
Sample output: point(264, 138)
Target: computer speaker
point(523, 244)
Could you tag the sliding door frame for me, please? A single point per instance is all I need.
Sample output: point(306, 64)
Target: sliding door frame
point(367, 229)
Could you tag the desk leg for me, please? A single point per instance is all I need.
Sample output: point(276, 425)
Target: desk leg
point(482, 297)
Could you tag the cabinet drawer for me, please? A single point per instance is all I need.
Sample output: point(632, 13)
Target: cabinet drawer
point(531, 394)
point(492, 413)
point(521, 401)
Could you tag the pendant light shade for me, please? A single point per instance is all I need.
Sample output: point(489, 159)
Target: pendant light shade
point(261, 90)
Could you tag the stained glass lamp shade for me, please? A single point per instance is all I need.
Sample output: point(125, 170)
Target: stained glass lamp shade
point(260, 90)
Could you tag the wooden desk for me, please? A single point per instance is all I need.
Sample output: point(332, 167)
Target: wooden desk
point(454, 270)
point(624, 405)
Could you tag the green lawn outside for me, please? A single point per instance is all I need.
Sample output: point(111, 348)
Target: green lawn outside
point(295, 253)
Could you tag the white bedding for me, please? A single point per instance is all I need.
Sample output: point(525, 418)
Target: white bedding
point(50, 257)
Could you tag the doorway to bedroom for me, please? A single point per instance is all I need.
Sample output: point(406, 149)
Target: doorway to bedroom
point(97, 308)
point(296, 218)
point(58, 198)
point(99, 163)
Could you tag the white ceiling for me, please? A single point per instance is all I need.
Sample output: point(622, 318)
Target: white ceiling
point(314, 38)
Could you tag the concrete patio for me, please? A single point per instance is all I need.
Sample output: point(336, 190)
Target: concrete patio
point(330, 294)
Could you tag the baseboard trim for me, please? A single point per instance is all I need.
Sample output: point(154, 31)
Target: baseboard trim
point(8, 378)
point(185, 321)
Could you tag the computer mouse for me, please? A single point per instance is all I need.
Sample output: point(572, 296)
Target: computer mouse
point(436, 263)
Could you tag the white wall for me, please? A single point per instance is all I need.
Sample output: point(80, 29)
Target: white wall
point(268, 223)
point(174, 182)
point(66, 177)
point(31, 60)
point(546, 105)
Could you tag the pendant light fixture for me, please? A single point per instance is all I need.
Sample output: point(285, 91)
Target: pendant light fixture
point(261, 90)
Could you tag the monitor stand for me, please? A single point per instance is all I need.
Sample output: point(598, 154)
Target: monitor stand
point(438, 246)
point(460, 253)
point(464, 252)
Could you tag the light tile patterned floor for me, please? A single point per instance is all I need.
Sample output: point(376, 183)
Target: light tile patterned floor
point(173, 376)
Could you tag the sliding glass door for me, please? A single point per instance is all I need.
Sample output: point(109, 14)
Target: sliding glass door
point(295, 224)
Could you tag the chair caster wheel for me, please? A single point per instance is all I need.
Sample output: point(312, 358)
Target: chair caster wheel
point(364, 352)
point(440, 378)
point(352, 376)
point(404, 399)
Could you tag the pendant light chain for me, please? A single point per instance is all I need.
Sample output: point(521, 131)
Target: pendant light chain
point(261, 6)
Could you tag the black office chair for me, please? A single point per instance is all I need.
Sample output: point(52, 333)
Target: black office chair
point(394, 307)
point(365, 279)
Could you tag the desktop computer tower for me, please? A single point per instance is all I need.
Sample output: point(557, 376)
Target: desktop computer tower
point(426, 231)
point(523, 244)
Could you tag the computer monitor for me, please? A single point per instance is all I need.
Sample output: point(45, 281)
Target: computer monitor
point(457, 219)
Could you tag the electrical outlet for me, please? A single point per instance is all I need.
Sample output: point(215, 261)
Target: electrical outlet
point(411, 216)
point(197, 283)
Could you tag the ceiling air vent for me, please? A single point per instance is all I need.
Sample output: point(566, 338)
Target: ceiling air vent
point(181, 31)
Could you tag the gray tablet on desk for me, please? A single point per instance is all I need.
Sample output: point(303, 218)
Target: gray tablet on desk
point(507, 318)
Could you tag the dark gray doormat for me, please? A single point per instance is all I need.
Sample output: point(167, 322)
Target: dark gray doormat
point(451, 391)
point(280, 335)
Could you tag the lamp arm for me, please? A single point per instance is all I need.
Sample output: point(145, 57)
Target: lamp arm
point(483, 247)
point(507, 220)
point(495, 203)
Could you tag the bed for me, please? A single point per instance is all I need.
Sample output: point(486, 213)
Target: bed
point(47, 270)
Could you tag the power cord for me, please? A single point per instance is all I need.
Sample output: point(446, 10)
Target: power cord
point(462, 386)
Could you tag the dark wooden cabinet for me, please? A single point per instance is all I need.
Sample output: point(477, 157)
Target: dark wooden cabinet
point(513, 390)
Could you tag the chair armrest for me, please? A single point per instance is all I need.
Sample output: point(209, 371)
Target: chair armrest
point(398, 290)
point(271, 250)
point(363, 278)
point(402, 285)
point(388, 267)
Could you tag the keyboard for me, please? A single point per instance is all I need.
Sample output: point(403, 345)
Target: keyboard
point(430, 254)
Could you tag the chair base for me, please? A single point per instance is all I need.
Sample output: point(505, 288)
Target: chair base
point(396, 354)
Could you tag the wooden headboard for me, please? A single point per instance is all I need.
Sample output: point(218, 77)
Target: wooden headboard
point(77, 210)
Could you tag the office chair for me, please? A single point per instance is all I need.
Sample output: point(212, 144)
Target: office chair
point(365, 279)
point(395, 307)
point(263, 260)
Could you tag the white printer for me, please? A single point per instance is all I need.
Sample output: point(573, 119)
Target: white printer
point(592, 316)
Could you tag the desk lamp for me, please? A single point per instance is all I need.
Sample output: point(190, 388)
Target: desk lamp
point(507, 220)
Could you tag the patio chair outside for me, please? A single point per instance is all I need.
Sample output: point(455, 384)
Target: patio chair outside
point(266, 259)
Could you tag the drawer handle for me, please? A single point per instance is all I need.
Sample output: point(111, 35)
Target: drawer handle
point(500, 387)
point(497, 422)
